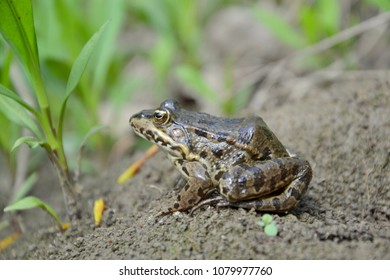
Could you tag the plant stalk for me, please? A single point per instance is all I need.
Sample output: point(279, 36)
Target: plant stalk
point(68, 187)
point(55, 151)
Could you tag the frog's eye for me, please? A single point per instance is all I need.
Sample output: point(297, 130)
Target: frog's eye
point(161, 116)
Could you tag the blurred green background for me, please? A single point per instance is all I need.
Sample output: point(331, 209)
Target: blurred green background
point(212, 55)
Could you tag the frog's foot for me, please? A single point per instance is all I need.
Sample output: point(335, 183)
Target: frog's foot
point(172, 210)
point(178, 206)
point(163, 213)
point(210, 201)
point(264, 205)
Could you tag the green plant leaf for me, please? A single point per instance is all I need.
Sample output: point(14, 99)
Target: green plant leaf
point(279, 28)
point(193, 79)
point(107, 47)
point(329, 13)
point(77, 71)
point(11, 107)
point(25, 187)
point(162, 55)
point(16, 114)
point(17, 27)
point(237, 102)
point(5, 77)
point(267, 219)
point(271, 230)
point(309, 24)
point(10, 132)
point(32, 142)
point(32, 202)
point(91, 132)
point(82, 60)
point(260, 223)
point(10, 94)
point(154, 13)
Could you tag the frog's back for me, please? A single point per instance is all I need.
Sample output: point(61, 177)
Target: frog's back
point(248, 134)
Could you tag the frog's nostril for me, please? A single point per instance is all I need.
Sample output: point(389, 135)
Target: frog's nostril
point(131, 120)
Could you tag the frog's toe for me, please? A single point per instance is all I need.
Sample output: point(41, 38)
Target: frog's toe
point(210, 201)
point(162, 213)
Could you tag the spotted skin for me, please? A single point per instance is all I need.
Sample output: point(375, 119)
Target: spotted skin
point(225, 162)
point(240, 187)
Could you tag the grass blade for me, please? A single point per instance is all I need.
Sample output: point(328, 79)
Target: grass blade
point(91, 132)
point(25, 187)
point(6, 61)
point(32, 142)
point(193, 79)
point(82, 60)
point(104, 54)
point(32, 202)
point(14, 111)
point(279, 28)
point(77, 71)
point(161, 57)
point(17, 27)
point(329, 13)
point(10, 94)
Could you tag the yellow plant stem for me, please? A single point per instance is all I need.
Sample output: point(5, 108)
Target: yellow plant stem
point(136, 166)
point(98, 210)
point(9, 240)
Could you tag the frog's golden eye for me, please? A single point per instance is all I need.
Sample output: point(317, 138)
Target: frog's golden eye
point(161, 116)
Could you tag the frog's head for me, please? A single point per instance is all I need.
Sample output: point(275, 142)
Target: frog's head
point(162, 126)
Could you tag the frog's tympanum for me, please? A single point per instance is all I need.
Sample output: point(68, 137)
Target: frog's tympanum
point(226, 162)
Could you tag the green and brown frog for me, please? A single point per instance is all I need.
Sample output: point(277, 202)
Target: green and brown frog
point(226, 162)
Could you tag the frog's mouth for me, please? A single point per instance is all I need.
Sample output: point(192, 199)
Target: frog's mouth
point(143, 127)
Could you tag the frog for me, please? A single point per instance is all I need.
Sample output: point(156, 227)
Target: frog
point(225, 162)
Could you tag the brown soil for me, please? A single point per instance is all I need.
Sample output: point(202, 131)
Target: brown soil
point(342, 128)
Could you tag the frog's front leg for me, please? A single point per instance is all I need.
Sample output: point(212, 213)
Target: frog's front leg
point(274, 185)
point(197, 188)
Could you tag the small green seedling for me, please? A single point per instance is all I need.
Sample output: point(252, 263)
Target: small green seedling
point(268, 224)
point(32, 202)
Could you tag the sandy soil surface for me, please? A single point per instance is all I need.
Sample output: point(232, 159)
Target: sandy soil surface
point(342, 128)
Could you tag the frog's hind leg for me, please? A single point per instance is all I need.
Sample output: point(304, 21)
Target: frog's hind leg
point(288, 178)
point(283, 202)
